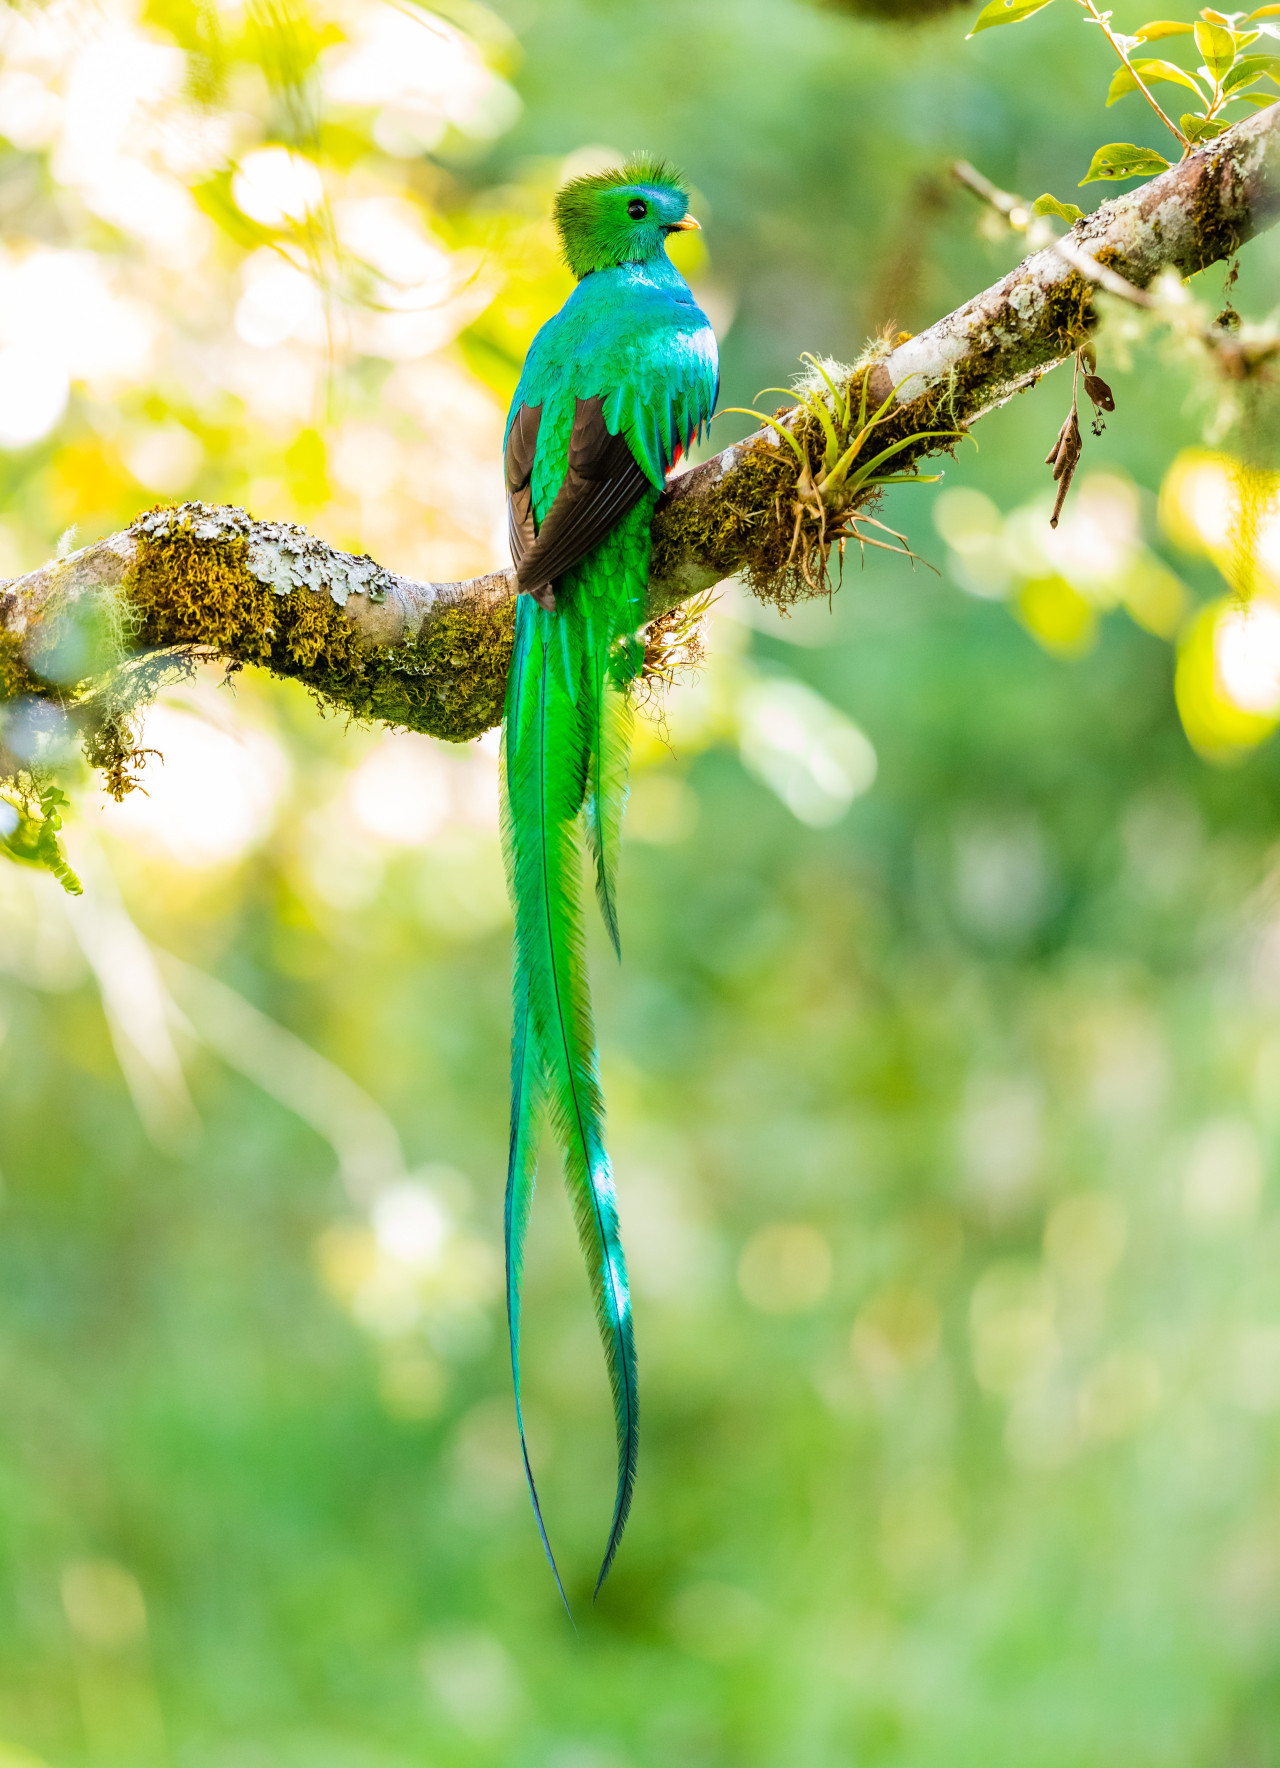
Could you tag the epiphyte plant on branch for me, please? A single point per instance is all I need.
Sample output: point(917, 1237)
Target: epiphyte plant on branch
point(615, 388)
point(830, 497)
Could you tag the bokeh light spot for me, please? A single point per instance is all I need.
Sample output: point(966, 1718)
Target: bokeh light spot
point(103, 1603)
point(785, 1268)
point(277, 188)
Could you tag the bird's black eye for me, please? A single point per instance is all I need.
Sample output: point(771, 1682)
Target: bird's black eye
point(637, 210)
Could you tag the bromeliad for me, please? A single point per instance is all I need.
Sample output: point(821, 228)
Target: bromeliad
point(614, 389)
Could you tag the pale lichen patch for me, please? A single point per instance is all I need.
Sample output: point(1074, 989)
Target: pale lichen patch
point(279, 555)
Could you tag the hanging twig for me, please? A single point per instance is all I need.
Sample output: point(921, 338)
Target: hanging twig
point(1064, 456)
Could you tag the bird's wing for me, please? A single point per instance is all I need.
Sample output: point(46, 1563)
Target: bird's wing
point(668, 395)
point(602, 482)
point(637, 406)
point(522, 445)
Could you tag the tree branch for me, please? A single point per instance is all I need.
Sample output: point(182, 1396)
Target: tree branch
point(433, 656)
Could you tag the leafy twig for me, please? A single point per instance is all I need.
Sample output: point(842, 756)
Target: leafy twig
point(1227, 76)
point(1103, 21)
point(1013, 208)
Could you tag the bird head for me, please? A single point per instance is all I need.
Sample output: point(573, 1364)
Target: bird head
point(622, 216)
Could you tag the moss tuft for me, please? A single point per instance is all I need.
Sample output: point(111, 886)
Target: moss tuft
point(1218, 234)
point(466, 653)
point(15, 673)
point(189, 591)
point(1069, 314)
point(111, 745)
point(742, 525)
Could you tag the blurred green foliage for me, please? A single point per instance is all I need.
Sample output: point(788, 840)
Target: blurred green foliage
point(944, 1065)
point(899, 11)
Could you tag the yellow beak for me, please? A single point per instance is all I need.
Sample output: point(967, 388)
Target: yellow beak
point(688, 225)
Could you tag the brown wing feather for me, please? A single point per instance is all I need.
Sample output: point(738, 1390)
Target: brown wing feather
point(522, 443)
point(604, 480)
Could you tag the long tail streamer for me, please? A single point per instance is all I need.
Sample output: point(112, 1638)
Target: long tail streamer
point(564, 766)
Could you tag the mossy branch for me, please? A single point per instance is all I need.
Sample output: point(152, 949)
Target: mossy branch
point(433, 656)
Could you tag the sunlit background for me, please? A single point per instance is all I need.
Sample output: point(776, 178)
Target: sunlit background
point(943, 1066)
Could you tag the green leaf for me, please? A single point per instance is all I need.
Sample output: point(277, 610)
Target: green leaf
point(1121, 159)
point(1126, 78)
point(1218, 47)
point(1263, 100)
point(33, 840)
point(1006, 12)
point(1048, 204)
point(1251, 68)
point(1164, 27)
point(1203, 128)
point(1227, 21)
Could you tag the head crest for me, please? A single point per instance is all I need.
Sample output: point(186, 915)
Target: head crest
point(642, 168)
point(592, 227)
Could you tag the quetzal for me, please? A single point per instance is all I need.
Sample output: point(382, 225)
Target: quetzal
point(615, 387)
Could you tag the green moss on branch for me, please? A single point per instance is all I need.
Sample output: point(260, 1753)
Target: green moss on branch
point(16, 676)
point(738, 525)
point(194, 591)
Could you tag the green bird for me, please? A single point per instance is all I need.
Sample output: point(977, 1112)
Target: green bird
point(614, 389)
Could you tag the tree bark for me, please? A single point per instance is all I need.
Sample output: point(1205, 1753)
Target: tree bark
point(433, 655)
